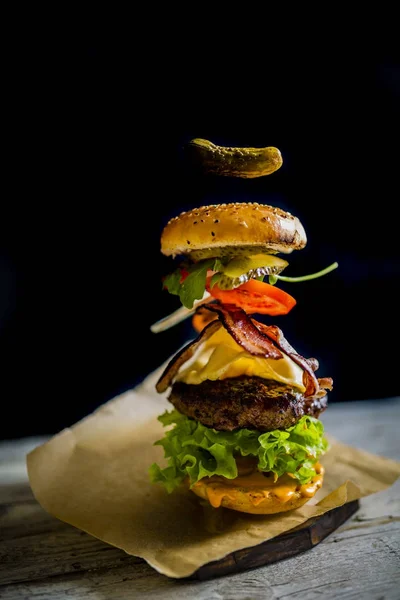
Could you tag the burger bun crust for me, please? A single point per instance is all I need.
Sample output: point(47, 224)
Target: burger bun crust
point(239, 227)
point(254, 501)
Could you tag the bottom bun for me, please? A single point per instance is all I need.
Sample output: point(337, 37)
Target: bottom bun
point(257, 493)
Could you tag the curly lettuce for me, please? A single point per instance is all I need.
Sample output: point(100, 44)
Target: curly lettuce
point(196, 451)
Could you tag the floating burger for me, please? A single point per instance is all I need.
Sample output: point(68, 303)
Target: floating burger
point(244, 431)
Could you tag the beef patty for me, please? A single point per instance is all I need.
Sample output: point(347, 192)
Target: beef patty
point(244, 402)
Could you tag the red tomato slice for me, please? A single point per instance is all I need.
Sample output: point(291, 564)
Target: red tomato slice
point(255, 297)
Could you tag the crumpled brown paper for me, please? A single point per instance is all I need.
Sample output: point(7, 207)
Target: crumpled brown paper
point(94, 476)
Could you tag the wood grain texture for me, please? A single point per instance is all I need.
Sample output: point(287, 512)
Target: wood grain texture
point(43, 558)
point(287, 545)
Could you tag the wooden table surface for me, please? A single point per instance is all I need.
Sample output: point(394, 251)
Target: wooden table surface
point(43, 558)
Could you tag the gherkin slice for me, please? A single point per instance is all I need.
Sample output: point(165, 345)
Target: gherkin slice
point(240, 269)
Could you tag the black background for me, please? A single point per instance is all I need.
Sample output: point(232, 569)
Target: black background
point(104, 132)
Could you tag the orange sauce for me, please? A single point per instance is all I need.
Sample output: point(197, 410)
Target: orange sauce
point(259, 486)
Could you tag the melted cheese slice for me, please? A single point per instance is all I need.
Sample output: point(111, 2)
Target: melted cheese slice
point(221, 357)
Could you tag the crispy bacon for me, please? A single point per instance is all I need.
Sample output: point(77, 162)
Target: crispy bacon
point(310, 381)
point(314, 405)
point(183, 355)
point(244, 331)
point(325, 383)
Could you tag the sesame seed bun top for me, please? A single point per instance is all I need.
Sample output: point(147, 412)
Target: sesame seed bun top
point(234, 228)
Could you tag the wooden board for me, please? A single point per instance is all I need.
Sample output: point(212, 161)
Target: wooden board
point(298, 540)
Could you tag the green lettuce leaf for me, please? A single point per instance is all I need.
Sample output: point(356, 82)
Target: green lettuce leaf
point(172, 282)
point(193, 286)
point(196, 451)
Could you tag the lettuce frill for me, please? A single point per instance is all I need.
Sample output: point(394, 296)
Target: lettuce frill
point(195, 451)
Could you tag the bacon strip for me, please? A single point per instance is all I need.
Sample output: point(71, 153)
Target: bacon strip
point(325, 383)
point(244, 330)
point(183, 355)
point(310, 381)
point(316, 404)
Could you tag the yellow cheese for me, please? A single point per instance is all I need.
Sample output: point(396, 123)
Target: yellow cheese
point(221, 357)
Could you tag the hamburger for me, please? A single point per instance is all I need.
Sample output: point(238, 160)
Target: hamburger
point(244, 430)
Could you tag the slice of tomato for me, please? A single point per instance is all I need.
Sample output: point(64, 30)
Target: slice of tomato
point(255, 297)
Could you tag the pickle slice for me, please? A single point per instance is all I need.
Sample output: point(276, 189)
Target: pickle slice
point(240, 269)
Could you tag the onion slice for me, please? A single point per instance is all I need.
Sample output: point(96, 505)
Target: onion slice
point(179, 315)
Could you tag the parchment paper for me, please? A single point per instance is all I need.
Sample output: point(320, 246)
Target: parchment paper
point(94, 476)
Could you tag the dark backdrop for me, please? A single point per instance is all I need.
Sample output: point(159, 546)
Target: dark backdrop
point(105, 132)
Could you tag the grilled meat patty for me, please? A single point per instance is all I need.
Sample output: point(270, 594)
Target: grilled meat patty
point(244, 402)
